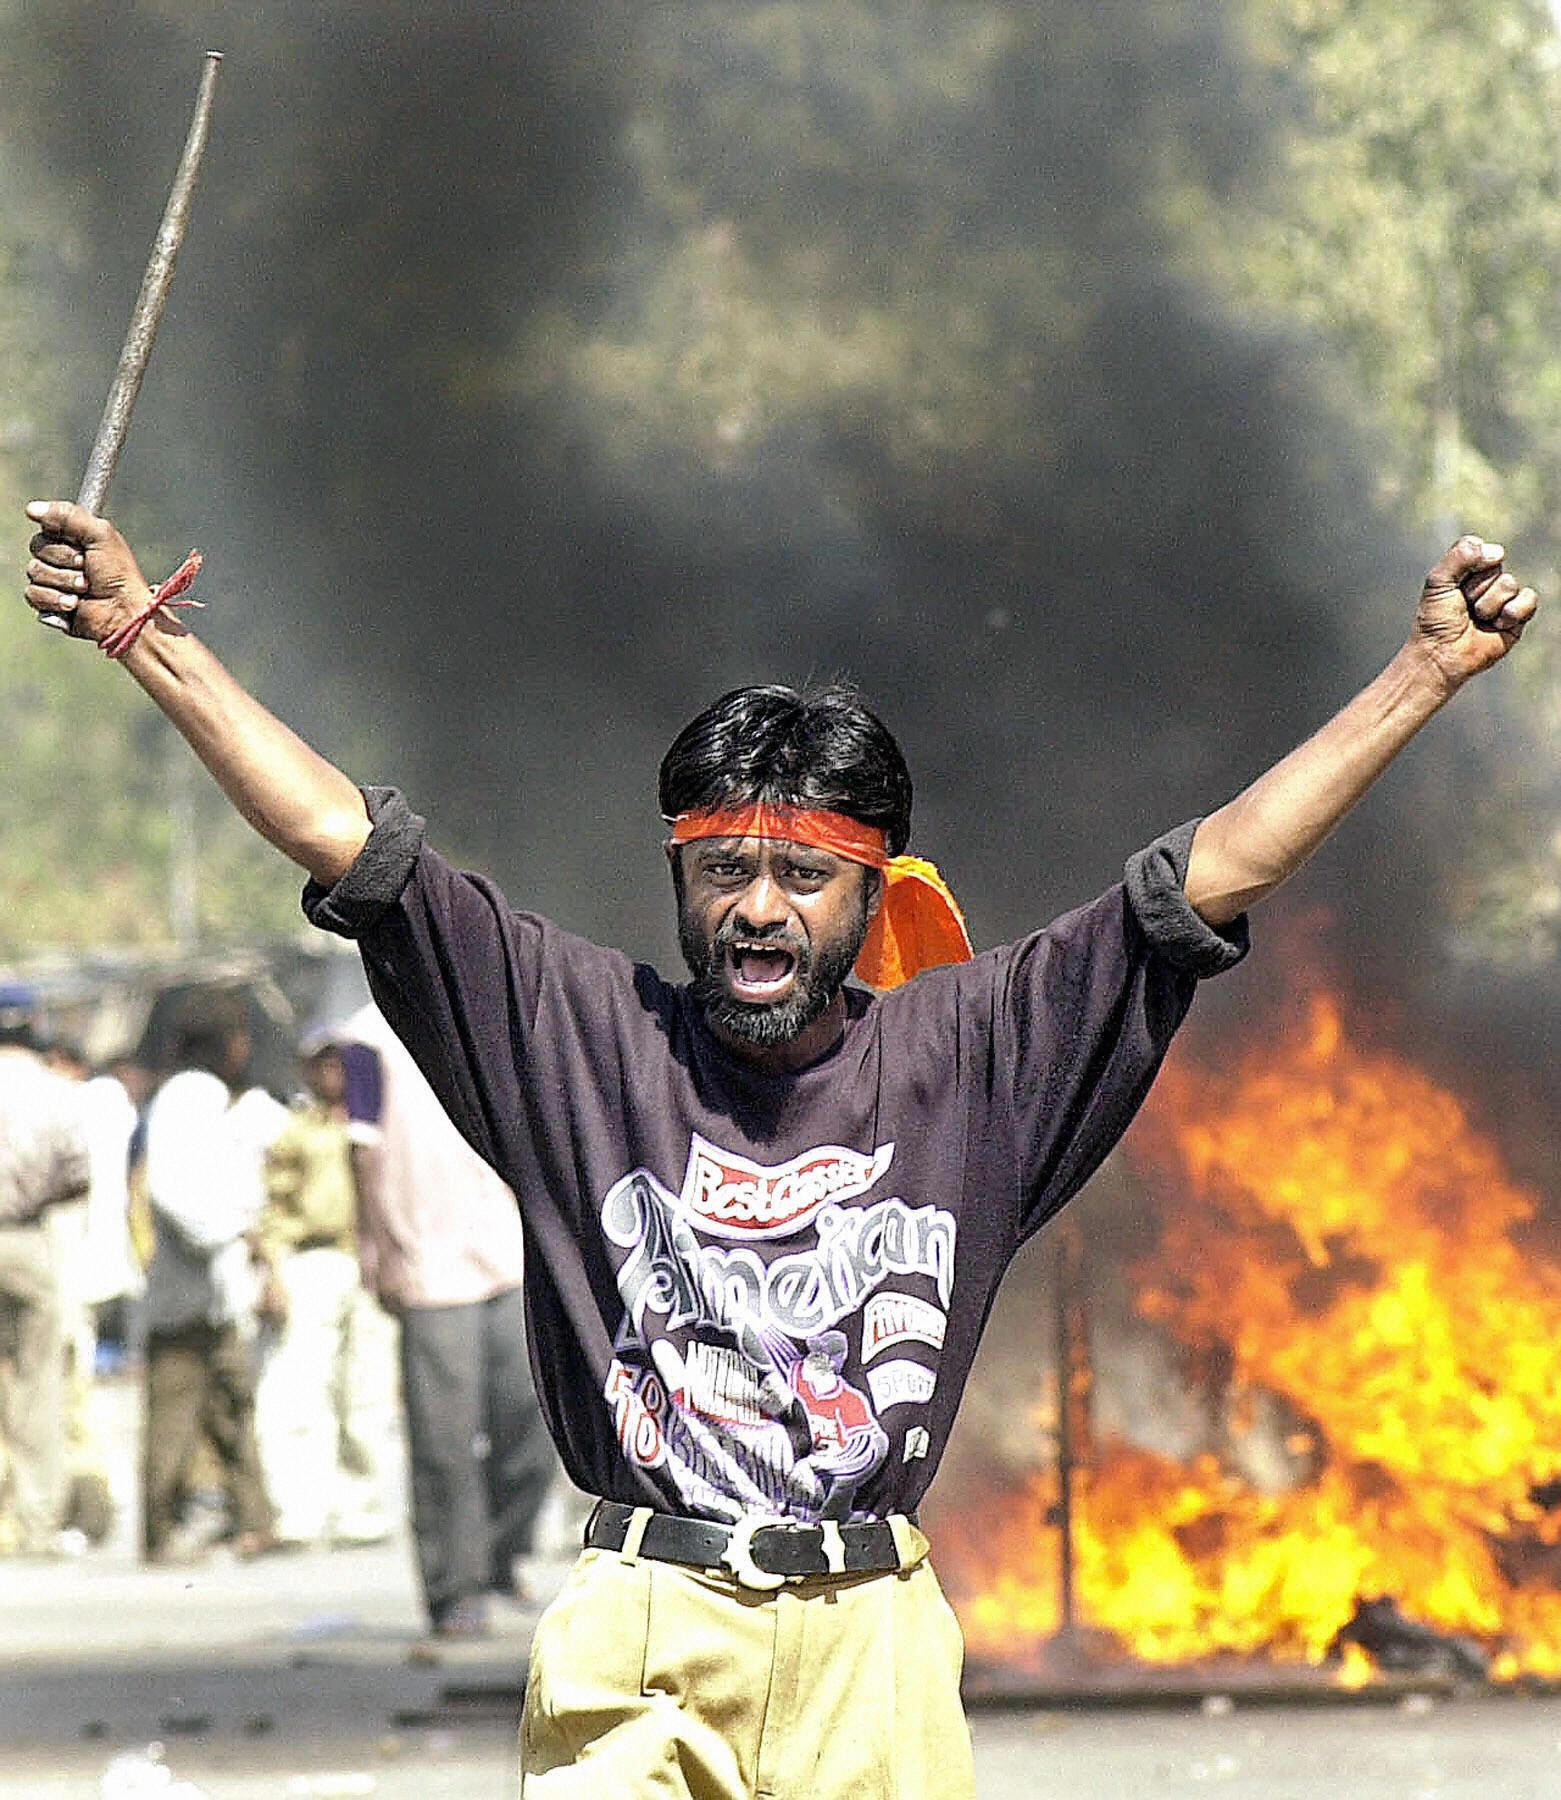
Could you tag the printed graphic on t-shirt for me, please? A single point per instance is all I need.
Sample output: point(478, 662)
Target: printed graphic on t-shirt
point(736, 1198)
point(731, 1367)
point(897, 1319)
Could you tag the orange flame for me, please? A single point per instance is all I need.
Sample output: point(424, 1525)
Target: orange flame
point(1337, 1234)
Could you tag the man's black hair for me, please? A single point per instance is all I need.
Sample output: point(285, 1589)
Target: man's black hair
point(821, 748)
point(209, 1023)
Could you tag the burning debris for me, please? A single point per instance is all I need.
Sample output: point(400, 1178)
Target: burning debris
point(1399, 1645)
point(1342, 1275)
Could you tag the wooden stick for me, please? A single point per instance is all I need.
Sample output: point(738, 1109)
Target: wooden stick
point(148, 312)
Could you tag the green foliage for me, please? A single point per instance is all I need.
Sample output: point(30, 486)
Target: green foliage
point(99, 826)
point(89, 844)
point(87, 850)
point(841, 236)
point(1413, 221)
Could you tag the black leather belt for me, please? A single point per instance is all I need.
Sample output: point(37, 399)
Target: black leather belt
point(761, 1553)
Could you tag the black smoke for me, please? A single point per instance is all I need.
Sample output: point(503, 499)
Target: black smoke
point(1166, 570)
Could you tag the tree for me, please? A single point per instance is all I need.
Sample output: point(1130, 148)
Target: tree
point(1413, 221)
point(97, 807)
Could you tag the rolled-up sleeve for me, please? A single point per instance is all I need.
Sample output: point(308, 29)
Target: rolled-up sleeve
point(451, 966)
point(1155, 878)
point(377, 880)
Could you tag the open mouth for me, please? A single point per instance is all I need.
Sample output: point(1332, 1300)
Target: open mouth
point(759, 972)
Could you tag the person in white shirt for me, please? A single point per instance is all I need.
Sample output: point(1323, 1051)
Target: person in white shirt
point(110, 1272)
point(205, 1147)
point(95, 1266)
point(43, 1165)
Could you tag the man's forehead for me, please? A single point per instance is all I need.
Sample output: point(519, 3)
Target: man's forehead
point(754, 842)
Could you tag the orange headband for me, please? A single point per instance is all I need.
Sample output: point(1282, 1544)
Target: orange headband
point(918, 924)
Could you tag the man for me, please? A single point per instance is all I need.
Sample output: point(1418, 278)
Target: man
point(103, 1262)
point(206, 1139)
point(95, 1267)
point(322, 1409)
point(441, 1246)
point(43, 1166)
point(717, 1174)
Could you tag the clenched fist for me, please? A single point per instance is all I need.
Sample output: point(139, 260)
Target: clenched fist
point(1471, 611)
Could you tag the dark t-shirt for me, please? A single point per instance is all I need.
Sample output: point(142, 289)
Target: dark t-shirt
point(761, 1293)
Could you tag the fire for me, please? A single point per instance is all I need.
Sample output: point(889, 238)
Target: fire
point(1343, 1248)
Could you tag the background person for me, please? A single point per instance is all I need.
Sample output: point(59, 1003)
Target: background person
point(324, 1400)
point(43, 1165)
point(96, 1269)
point(206, 1138)
point(111, 1102)
point(440, 1239)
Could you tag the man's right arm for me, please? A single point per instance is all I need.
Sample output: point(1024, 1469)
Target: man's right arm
point(293, 797)
point(454, 969)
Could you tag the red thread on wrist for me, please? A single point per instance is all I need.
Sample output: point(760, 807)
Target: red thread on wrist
point(122, 637)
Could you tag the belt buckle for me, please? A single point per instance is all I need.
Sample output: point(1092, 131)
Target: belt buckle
point(738, 1554)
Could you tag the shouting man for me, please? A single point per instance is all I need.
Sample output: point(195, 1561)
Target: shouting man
point(766, 1213)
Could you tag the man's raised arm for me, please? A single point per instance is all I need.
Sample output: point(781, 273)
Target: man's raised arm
point(1471, 613)
point(292, 796)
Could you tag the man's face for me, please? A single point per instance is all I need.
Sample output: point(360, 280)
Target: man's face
point(769, 931)
point(325, 1076)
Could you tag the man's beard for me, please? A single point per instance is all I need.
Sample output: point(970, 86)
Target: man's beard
point(764, 1024)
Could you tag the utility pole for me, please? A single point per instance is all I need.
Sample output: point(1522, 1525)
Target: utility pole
point(1073, 1385)
point(183, 842)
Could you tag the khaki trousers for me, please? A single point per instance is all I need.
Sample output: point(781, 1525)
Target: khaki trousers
point(650, 1681)
point(200, 1385)
point(32, 1390)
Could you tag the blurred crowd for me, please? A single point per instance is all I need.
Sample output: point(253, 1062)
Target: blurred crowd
point(304, 1293)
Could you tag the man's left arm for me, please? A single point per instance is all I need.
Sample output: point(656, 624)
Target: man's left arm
point(1470, 615)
